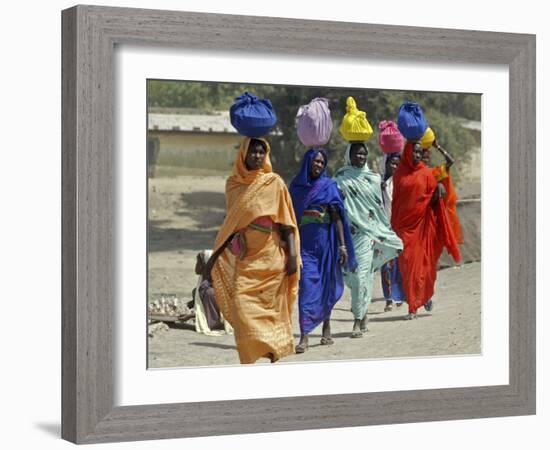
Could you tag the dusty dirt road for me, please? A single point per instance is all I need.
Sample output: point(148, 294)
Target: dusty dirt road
point(184, 215)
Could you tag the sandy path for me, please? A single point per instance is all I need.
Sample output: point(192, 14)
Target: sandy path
point(452, 328)
point(185, 213)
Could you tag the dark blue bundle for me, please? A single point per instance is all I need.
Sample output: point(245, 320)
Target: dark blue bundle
point(411, 121)
point(251, 116)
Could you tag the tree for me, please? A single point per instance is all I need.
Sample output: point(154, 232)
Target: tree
point(444, 112)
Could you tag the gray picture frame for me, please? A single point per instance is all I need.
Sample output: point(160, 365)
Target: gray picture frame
point(89, 37)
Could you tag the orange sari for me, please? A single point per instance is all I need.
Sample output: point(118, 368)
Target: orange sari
point(253, 290)
point(423, 228)
point(443, 176)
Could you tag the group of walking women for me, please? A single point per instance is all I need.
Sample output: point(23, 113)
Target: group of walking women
point(277, 244)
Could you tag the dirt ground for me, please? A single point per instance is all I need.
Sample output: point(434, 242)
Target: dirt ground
point(184, 215)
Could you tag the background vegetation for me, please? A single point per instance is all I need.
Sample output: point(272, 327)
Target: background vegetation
point(444, 111)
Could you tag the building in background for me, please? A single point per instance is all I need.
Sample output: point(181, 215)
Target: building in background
point(190, 139)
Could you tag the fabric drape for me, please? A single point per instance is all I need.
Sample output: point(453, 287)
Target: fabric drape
point(424, 228)
point(321, 278)
point(374, 241)
point(253, 290)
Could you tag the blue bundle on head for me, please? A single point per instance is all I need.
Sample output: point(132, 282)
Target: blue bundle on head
point(411, 121)
point(251, 116)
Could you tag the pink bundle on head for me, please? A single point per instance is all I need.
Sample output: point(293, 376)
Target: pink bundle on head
point(313, 123)
point(389, 137)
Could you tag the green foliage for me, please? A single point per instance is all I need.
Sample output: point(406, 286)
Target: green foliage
point(444, 112)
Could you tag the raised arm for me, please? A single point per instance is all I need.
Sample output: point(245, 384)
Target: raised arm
point(449, 161)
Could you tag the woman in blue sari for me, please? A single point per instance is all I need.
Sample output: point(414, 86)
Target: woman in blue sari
point(374, 241)
point(326, 245)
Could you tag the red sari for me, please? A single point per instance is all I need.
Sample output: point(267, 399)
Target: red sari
point(424, 228)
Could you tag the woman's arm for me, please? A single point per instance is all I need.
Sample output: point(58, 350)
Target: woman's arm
point(335, 217)
point(288, 236)
point(207, 273)
point(449, 161)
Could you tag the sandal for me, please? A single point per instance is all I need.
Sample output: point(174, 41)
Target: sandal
point(327, 341)
point(388, 307)
point(356, 334)
point(301, 348)
point(410, 316)
point(429, 305)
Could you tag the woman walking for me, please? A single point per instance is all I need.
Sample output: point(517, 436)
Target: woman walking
point(326, 245)
point(419, 218)
point(442, 175)
point(255, 265)
point(390, 274)
point(374, 241)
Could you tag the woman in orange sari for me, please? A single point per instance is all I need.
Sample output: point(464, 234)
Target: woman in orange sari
point(254, 267)
point(442, 175)
point(420, 219)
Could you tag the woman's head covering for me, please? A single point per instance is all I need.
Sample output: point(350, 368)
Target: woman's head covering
point(407, 165)
point(347, 156)
point(323, 190)
point(304, 178)
point(303, 189)
point(240, 173)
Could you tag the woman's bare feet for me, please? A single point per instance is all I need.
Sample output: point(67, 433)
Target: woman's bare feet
point(327, 337)
point(356, 332)
point(364, 323)
point(303, 344)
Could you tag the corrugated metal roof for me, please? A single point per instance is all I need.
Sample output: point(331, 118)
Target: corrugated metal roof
point(216, 122)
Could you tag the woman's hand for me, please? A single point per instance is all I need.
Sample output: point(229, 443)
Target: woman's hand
point(291, 265)
point(439, 192)
point(441, 189)
point(343, 255)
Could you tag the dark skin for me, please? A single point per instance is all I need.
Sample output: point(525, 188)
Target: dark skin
point(419, 155)
point(358, 157)
point(449, 161)
point(254, 160)
point(255, 156)
point(391, 166)
point(317, 166)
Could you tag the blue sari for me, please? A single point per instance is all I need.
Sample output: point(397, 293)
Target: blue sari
point(321, 282)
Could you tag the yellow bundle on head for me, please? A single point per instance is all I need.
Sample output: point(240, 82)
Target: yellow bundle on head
point(427, 139)
point(355, 126)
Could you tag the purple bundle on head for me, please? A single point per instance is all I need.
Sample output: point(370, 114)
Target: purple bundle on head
point(313, 123)
point(389, 137)
point(251, 116)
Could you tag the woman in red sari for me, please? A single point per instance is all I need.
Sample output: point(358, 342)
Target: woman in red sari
point(420, 219)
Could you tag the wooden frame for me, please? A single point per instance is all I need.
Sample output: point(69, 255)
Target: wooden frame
point(89, 36)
